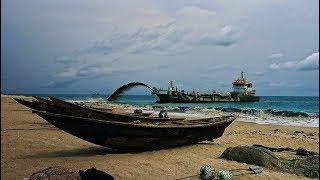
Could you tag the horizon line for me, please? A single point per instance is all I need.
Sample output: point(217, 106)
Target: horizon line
point(137, 94)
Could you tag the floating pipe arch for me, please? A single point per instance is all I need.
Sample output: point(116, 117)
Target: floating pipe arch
point(116, 94)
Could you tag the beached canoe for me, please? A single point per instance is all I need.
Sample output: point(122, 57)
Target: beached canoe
point(140, 135)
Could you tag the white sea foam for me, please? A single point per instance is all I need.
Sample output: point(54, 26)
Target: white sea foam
point(260, 118)
point(306, 122)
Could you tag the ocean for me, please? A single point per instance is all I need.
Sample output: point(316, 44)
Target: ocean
point(282, 110)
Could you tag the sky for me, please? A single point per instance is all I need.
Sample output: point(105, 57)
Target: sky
point(79, 47)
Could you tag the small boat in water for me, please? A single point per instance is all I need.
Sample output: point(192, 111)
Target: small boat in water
point(139, 135)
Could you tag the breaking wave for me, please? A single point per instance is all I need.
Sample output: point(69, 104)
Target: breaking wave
point(268, 111)
point(250, 111)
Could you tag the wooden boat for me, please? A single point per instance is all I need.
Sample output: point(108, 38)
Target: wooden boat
point(139, 135)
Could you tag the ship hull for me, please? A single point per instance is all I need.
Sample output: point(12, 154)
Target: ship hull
point(249, 98)
point(165, 98)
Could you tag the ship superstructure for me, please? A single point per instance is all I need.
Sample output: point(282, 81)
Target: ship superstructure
point(242, 92)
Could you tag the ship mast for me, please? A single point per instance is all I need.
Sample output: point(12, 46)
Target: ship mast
point(170, 88)
point(242, 76)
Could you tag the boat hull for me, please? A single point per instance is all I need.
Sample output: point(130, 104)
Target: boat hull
point(249, 98)
point(130, 136)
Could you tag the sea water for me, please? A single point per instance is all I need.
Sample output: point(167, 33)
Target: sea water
point(283, 110)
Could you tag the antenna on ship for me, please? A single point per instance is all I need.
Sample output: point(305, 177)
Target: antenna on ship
point(242, 75)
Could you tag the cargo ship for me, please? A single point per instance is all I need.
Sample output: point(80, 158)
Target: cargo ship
point(242, 92)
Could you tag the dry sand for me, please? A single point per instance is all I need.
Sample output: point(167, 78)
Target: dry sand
point(29, 144)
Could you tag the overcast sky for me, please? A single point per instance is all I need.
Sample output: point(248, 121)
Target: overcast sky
point(78, 46)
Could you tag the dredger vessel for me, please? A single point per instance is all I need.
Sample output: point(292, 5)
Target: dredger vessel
point(242, 92)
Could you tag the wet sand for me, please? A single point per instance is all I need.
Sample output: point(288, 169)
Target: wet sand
point(29, 144)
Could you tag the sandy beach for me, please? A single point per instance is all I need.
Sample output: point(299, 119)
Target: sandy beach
point(29, 144)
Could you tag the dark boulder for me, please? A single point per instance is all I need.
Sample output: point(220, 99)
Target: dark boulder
point(252, 155)
point(94, 174)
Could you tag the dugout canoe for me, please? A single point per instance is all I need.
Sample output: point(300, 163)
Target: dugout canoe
point(139, 135)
